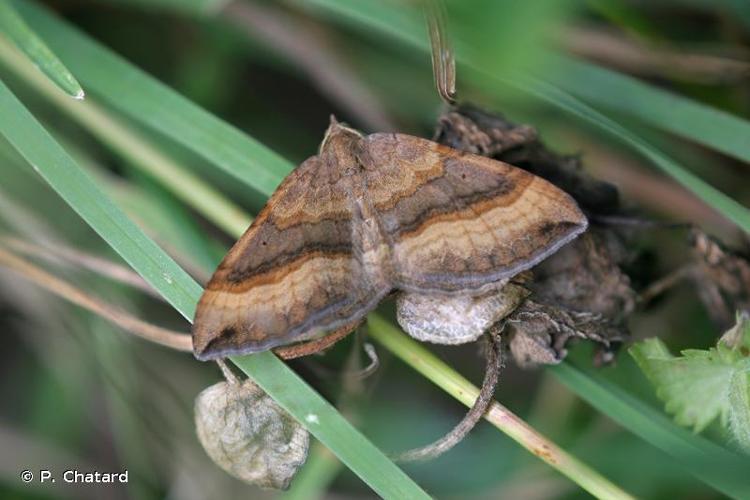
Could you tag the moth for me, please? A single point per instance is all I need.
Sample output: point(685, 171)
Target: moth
point(369, 215)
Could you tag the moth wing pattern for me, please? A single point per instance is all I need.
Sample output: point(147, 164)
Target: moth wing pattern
point(458, 222)
point(369, 215)
point(293, 274)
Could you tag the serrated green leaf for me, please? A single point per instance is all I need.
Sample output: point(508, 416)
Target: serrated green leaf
point(723, 469)
point(701, 385)
point(739, 406)
point(694, 387)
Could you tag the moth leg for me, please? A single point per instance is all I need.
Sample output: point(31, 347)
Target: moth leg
point(475, 413)
point(317, 345)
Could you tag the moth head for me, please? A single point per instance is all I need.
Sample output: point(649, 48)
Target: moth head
point(338, 135)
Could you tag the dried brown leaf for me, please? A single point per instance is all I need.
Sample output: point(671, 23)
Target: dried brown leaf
point(722, 278)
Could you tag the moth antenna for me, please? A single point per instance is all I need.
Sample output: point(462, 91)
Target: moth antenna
point(475, 413)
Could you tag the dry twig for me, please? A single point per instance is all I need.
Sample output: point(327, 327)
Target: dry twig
point(126, 321)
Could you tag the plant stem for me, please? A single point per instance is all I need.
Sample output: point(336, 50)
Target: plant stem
point(445, 377)
point(123, 319)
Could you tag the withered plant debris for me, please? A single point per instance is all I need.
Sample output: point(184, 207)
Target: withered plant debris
point(578, 292)
point(721, 277)
point(250, 436)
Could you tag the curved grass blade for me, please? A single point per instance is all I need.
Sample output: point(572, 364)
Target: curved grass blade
point(679, 115)
point(15, 28)
point(714, 198)
point(43, 153)
point(724, 470)
point(145, 100)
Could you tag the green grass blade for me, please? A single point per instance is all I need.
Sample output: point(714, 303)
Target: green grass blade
point(131, 145)
point(724, 470)
point(714, 198)
point(43, 153)
point(15, 28)
point(418, 357)
point(668, 111)
point(145, 100)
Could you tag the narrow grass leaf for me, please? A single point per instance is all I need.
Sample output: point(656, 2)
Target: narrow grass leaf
point(679, 115)
point(43, 153)
point(145, 100)
point(714, 198)
point(15, 28)
point(720, 468)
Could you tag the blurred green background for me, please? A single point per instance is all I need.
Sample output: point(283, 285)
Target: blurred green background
point(77, 392)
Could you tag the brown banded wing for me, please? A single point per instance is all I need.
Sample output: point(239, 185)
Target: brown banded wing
point(458, 222)
point(293, 274)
